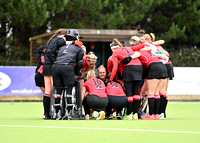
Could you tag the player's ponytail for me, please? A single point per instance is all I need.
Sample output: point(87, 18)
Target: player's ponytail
point(116, 42)
point(57, 33)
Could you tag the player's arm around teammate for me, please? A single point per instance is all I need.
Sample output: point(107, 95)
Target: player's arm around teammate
point(132, 76)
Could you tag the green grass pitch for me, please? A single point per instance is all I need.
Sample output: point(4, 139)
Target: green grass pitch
point(23, 123)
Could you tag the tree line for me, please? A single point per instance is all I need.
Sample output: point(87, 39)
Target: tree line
point(175, 21)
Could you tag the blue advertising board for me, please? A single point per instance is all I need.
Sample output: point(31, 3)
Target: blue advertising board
point(18, 81)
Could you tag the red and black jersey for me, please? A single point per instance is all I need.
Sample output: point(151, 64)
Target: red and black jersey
point(120, 68)
point(95, 87)
point(40, 70)
point(110, 64)
point(137, 47)
point(120, 54)
point(114, 89)
point(85, 66)
point(147, 58)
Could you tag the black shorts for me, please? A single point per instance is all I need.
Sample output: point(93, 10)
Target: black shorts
point(132, 73)
point(47, 69)
point(157, 71)
point(170, 71)
point(63, 75)
point(39, 80)
point(145, 73)
point(117, 102)
point(96, 103)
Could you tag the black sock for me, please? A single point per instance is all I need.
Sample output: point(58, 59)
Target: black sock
point(161, 110)
point(165, 105)
point(86, 107)
point(136, 105)
point(157, 106)
point(108, 111)
point(129, 108)
point(151, 102)
point(46, 104)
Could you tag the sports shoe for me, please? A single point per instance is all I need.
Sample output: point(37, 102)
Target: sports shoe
point(148, 117)
point(114, 115)
point(46, 117)
point(156, 117)
point(161, 116)
point(135, 116)
point(58, 115)
point(101, 115)
point(119, 116)
point(128, 117)
point(165, 116)
point(110, 117)
point(87, 117)
point(92, 116)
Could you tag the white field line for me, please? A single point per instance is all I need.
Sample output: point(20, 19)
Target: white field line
point(170, 102)
point(108, 129)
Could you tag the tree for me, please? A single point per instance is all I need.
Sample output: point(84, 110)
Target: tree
point(175, 20)
point(22, 19)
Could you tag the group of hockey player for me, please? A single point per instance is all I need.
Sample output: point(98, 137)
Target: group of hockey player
point(136, 76)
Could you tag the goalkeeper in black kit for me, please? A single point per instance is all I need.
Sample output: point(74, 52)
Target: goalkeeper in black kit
point(63, 68)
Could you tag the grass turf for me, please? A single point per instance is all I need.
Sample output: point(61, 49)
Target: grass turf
point(181, 116)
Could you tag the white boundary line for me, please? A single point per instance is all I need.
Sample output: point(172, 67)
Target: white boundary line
point(108, 129)
point(170, 102)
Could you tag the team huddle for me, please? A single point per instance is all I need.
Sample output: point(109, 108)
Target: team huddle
point(135, 76)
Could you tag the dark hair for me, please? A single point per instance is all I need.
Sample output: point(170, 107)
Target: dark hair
point(116, 42)
point(140, 33)
point(57, 33)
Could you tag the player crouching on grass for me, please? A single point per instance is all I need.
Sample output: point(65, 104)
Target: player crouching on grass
point(116, 96)
point(96, 99)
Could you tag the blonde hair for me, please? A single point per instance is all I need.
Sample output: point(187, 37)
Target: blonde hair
point(136, 41)
point(101, 67)
point(90, 74)
point(135, 38)
point(147, 37)
point(91, 55)
point(153, 37)
point(116, 42)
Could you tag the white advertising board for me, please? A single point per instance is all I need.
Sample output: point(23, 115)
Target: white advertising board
point(185, 82)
